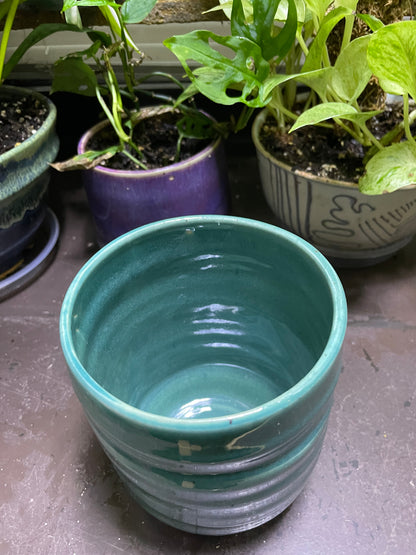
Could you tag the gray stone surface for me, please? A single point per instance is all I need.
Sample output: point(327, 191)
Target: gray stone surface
point(60, 495)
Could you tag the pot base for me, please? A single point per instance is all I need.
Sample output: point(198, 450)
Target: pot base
point(364, 258)
point(35, 259)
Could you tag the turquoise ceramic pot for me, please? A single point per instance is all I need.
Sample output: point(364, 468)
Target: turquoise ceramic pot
point(24, 177)
point(205, 351)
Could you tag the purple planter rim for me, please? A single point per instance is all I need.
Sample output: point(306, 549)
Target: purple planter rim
point(177, 166)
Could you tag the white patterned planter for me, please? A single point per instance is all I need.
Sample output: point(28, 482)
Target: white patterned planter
point(350, 228)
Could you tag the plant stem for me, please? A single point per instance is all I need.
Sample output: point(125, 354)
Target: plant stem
point(161, 74)
point(371, 137)
point(119, 130)
point(134, 159)
point(406, 120)
point(243, 118)
point(178, 147)
point(390, 137)
point(302, 43)
point(349, 130)
point(6, 34)
point(286, 112)
point(346, 38)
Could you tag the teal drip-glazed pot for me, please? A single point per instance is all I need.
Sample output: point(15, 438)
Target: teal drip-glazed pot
point(24, 178)
point(205, 351)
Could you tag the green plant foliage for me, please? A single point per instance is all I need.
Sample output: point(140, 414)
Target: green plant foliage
point(253, 51)
point(265, 70)
point(39, 33)
point(8, 9)
point(331, 110)
point(261, 28)
point(88, 3)
point(315, 56)
point(392, 55)
point(218, 74)
point(390, 169)
point(351, 70)
point(134, 12)
point(91, 72)
point(75, 75)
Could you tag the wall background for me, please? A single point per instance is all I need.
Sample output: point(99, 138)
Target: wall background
point(177, 16)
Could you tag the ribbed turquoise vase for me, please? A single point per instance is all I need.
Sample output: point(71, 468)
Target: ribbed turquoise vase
point(205, 351)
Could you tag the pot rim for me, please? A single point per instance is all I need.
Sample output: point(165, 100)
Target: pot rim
point(249, 417)
point(177, 166)
point(17, 151)
point(255, 133)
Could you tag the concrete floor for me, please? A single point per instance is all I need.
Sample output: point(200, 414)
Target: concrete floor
point(60, 495)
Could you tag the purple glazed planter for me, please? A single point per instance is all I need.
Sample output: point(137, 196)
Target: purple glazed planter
point(124, 200)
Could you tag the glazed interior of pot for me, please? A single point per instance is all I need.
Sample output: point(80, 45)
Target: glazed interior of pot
point(203, 320)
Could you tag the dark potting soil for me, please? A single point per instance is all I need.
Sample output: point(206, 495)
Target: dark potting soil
point(157, 138)
point(321, 151)
point(19, 120)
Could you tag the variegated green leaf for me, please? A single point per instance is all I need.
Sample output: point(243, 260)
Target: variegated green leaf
point(351, 71)
point(331, 110)
point(391, 57)
point(390, 169)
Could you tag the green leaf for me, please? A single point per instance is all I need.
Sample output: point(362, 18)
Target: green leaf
point(390, 169)
point(87, 160)
point(239, 25)
point(100, 37)
point(351, 71)
point(73, 75)
point(314, 58)
point(373, 23)
point(331, 110)
point(190, 91)
point(391, 57)
point(323, 112)
point(271, 82)
point(218, 74)
point(73, 17)
point(262, 30)
point(134, 11)
point(281, 45)
point(317, 80)
point(196, 125)
point(5, 7)
point(224, 5)
point(39, 33)
point(350, 4)
point(89, 52)
point(318, 7)
point(88, 3)
point(282, 11)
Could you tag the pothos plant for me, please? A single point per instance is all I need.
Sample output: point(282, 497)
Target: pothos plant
point(277, 45)
point(92, 72)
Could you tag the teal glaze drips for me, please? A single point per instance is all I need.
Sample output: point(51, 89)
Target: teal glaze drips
point(26, 163)
point(24, 178)
point(205, 351)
